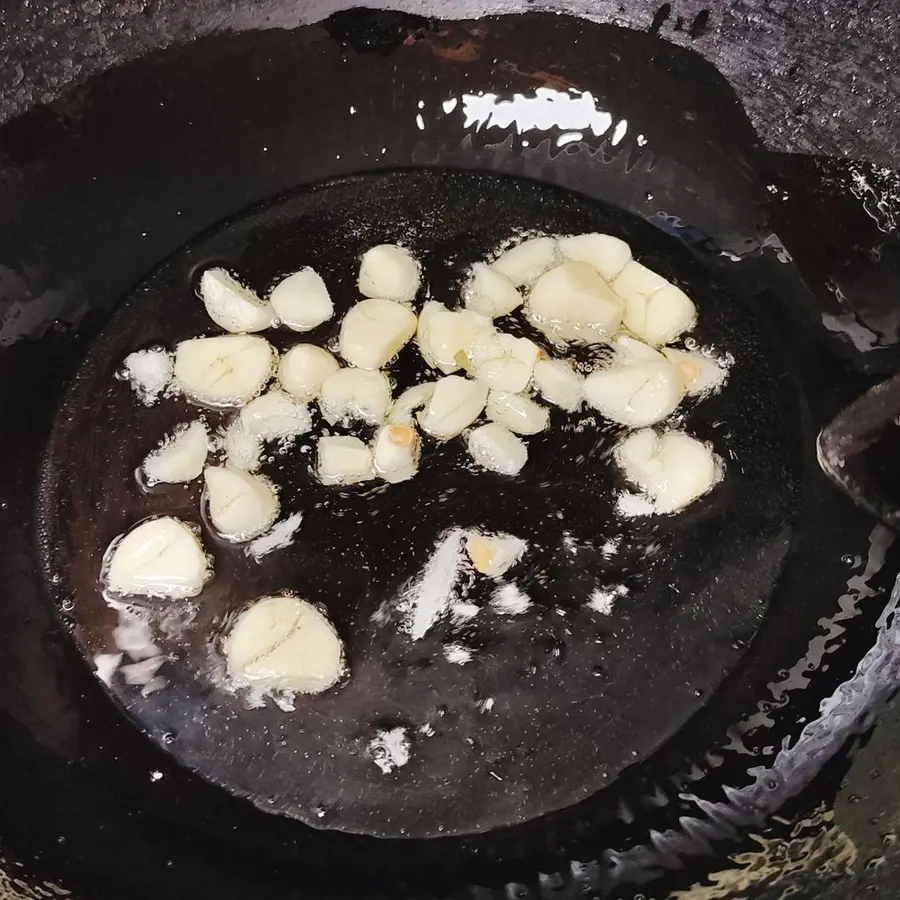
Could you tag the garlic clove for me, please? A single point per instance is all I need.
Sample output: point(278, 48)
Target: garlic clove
point(409, 401)
point(389, 272)
point(343, 460)
point(526, 262)
point(505, 374)
point(490, 293)
point(655, 310)
point(303, 369)
point(497, 449)
point(301, 300)
point(455, 404)
point(518, 413)
point(558, 383)
point(275, 415)
point(444, 336)
point(374, 331)
point(395, 452)
point(229, 370)
point(232, 305)
point(494, 554)
point(179, 458)
point(606, 254)
point(635, 395)
point(241, 506)
point(701, 372)
point(355, 395)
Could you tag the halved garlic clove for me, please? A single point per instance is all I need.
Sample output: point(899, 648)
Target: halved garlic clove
point(444, 336)
point(303, 369)
point(497, 449)
point(229, 370)
point(374, 331)
point(275, 416)
point(395, 452)
point(494, 554)
point(573, 303)
point(283, 643)
point(232, 305)
point(180, 456)
point(455, 404)
point(344, 460)
point(301, 300)
point(518, 413)
point(355, 395)
point(558, 383)
point(635, 395)
point(672, 468)
point(389, 272)
point(490, 293)
point(655, 310)
point(159, 558)
point(241, 506)
point(409, 401)
point(526, 262)
point(702, 372)
point(606, 254)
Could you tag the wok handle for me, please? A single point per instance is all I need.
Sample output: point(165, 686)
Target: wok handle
point(842, 444)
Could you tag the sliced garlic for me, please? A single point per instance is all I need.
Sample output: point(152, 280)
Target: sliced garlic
point(490, 293)
point(494, 554)
point(275, 416)
point(409, 401)
point(355, 395)
point(455, 404)
point(229, 370)
point(702, 372)
point(655, 310)
point(518, 413)
point(395, 452)
point(558, 383)
point(301, 300)
point(636, 395)
point(603, 252)
point(284, 643)
point(374, 331)
point(526, 262)
point(241, 506)
point(180, 456)
point(497, 449)
point(303, 369)
point(159, 558)
point(389, 272)
point(444, 336)
point(344, 460)
point(232, 305)
point(573, 303)
point(672, 468)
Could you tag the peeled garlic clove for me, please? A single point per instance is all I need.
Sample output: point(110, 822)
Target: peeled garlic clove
point(606, 254)
point(223, 371)
point(521, 348)
point(444, 336)
point(344, 460)
point(558, 383)
point(497, 449)
point(303, 369)
point(355, 395)
point(390, 272)
point(179, 458)
point(655, 310)
point(159, 558)
point(284, 644)
point(635, 395)
point(274, 416)
point(494, 554)
point(485, 344)
point(505, 374)
point(396, 453)
point(526, 262)
point(573, 303)
point(519, 414)
point(374, 331)
point(241, 506)
point(630, 350)
point(409, 401)
point(701, 372)
point(455, 404)
point(490, 293)
point(301, 300)
point(232, 305)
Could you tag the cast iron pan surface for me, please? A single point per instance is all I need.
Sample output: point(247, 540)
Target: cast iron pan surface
point(115, 178)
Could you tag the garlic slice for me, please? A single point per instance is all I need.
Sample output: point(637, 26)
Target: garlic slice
point(301, 301)
point(490, 293)
point(343, 460)
point(497, 449)
point(636, 395)
point(409, 401)
point(655, 310)
point(180, 456)
point(229, 370)
point(606, 254)
point(395, 452)
point(355, 395)
point(374, 331)
point(389, 272)
point(455, 404)
point(558, 383)
point(161, 557)
point(241, 506)
point(526, 262)
point(494, 554)
point(303, 369)
point(232, 305)
point(444, 336)
point(283, 643)
point(702, 372)
point(573, 303)
point(518, 413)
